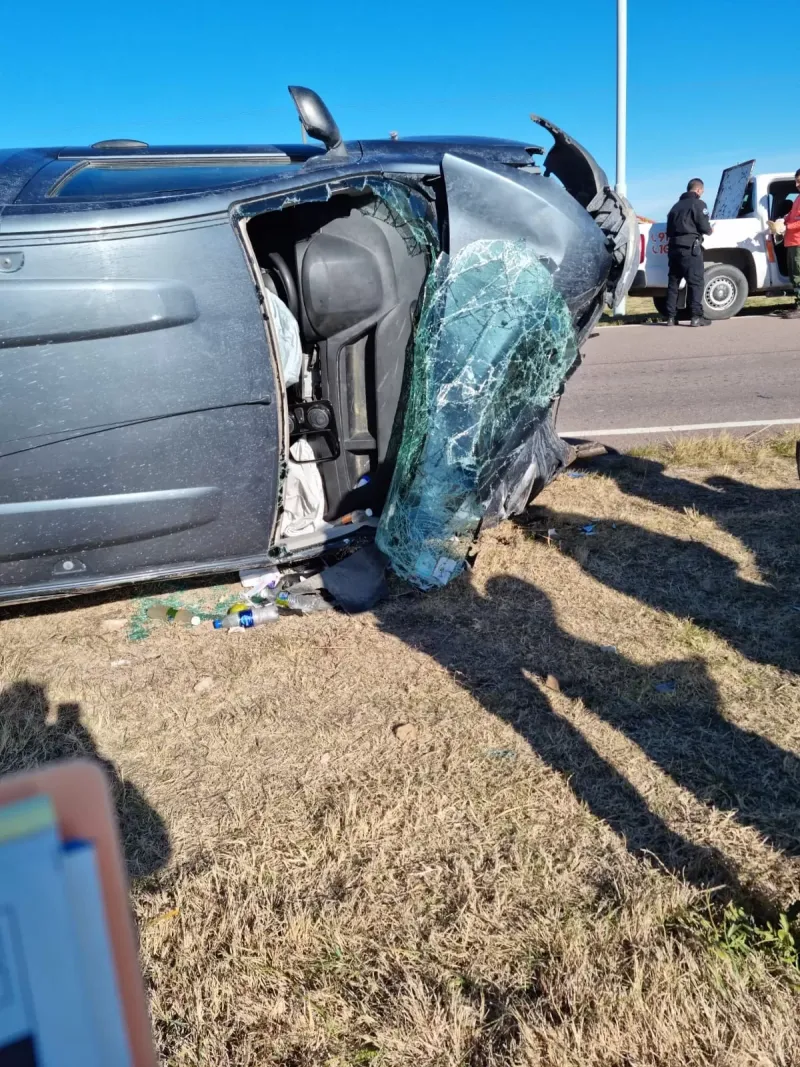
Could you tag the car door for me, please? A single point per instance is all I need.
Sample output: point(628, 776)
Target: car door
point(138, 417)
point(732, 189)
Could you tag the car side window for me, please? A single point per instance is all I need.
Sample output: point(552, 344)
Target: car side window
point(749, 202)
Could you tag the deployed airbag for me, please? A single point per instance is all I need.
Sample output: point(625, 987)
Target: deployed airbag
point(290, 352)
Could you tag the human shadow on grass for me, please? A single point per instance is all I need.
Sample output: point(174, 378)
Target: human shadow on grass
point(765, 521)
point(489, 643)
point(688, 579)
point(28, 740)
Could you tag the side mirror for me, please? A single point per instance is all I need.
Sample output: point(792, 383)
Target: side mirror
point(316, 120)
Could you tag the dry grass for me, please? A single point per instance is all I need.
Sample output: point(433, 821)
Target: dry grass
point(725, 453)
point(641, 309)
point(535, 876)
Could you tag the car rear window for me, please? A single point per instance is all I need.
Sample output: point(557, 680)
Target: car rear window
point(118, 181)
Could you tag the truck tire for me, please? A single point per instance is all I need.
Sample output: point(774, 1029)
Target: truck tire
point(725, 290)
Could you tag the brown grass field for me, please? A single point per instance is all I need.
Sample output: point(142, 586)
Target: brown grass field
point(599, 869)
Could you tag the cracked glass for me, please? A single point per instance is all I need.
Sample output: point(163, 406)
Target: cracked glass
point(493, 346)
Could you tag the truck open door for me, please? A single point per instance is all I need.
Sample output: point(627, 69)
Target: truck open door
point(732, 189)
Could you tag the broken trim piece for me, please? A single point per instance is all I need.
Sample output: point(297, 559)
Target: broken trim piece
point(584, 178)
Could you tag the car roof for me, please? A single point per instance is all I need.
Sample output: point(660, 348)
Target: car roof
point(32, 180)
point(19, 167)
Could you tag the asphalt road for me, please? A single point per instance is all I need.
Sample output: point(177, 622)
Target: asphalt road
point(655, 381)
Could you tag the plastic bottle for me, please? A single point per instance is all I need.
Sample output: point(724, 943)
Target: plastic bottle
point(248, 618)
point(305, 603)
point(353, 517)
point(169, 614)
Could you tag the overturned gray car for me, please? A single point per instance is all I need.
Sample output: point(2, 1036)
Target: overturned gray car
point(216, 358)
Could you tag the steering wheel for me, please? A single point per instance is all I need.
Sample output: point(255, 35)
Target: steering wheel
point(280, 272)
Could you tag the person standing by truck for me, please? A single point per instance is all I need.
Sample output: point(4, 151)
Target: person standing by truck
point(791, 240)
point(687, 224)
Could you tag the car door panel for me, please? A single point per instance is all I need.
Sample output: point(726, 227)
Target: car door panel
point(138, 425)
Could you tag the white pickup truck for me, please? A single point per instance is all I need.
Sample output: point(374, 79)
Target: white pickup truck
point(742, 258)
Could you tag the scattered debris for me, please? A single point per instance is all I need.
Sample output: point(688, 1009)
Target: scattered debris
point(501, 753)
point(203, 604)
point(405, 732)
point(589, 529)
point(666, 687)
point(205, 685)
point(258, 582)
point(552, 533)
point(165, 613)
point(248, 618)
point(590, 449)
point(553, 683)
point(608, 648)
point(576, 474)
point(358, 583)
point(325, 759)
point(112, 626)
point(305, 602)
point(120, 663)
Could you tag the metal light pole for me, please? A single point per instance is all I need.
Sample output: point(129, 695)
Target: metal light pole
point(621, 185)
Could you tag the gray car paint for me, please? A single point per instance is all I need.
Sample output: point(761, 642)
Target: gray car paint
point(135, 362)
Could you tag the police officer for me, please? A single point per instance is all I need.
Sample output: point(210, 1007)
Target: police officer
point(687, 223)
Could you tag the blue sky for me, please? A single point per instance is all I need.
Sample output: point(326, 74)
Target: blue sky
point(201, 72)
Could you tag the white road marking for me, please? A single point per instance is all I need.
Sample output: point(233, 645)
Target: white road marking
point(630, 430)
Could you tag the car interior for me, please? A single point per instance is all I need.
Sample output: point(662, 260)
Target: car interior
point(352, 281)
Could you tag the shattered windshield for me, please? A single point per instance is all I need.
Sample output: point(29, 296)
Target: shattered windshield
point(494, 343)
point(407, 211)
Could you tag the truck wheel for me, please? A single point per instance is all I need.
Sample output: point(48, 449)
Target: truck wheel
point(725, 290)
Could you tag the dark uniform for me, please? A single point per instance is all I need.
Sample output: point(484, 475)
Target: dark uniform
point(687, 223)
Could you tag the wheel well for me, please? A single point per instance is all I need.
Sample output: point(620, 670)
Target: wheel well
point(734, 257)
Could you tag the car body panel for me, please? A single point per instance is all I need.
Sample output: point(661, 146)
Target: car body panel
point(489, 201)
point(138, 409)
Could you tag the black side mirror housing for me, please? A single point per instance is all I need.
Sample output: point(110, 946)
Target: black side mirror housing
point(316, 120)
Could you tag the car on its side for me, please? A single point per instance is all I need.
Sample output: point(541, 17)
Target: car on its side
point(175, 320)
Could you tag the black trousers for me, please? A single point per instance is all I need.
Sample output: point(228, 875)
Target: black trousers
point(686, 263)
